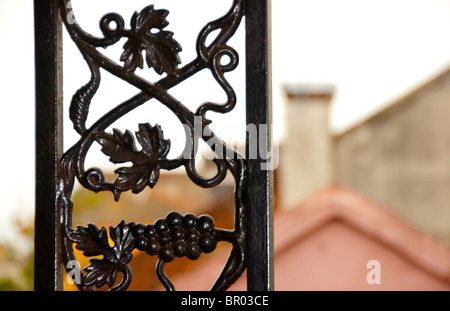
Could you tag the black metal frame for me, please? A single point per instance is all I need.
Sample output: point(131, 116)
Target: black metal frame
point(177, 235)
point(49, 147)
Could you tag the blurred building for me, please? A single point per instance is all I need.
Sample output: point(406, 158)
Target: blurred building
point(399, 157)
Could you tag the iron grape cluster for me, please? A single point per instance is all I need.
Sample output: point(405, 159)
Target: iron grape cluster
point(176, 236)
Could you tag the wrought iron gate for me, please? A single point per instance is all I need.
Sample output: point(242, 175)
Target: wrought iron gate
point(176, 235)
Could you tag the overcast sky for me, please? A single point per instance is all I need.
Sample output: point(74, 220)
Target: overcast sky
point(373, 52)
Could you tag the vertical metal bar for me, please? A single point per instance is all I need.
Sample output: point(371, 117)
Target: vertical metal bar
point(49, 147)
point(260, 176)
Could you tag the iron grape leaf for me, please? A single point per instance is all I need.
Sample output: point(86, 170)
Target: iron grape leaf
point(152, 140)
point(162, 52)
point(121, 148)
point(147, 34)
point(94, 242)
point(149, 18)
point(91, 240)
point(123, 241)
point(101, 272)
point(134, 178)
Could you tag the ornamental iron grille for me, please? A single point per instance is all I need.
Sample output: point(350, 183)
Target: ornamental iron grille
point(177, 235)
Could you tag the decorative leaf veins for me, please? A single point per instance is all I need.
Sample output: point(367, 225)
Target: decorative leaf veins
point(147, 34)
point(94, 242)
point(121, 148)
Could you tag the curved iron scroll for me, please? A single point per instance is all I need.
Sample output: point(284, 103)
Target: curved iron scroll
point(177, 235)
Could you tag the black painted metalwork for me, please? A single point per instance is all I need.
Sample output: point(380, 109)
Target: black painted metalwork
point(177, 235)
point(259, 170)
point(49, 147)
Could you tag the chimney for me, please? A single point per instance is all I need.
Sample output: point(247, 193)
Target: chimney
point(306, 154)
